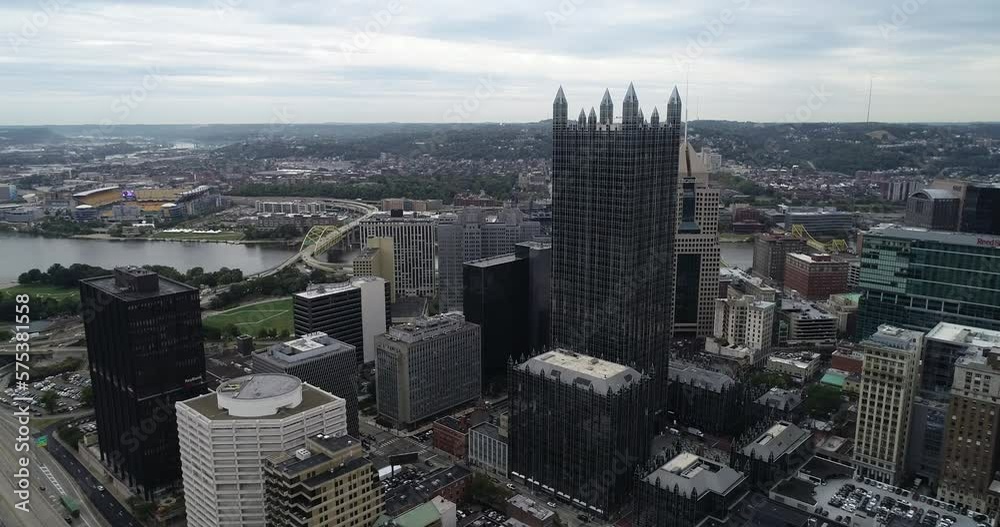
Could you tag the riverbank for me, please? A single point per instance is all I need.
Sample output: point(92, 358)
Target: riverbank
point(181, 238)
point(22, 252)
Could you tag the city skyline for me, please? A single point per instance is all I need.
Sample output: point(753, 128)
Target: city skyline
point(258, 61)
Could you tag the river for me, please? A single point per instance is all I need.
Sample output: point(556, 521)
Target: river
point(737, 254)
point(18, 253)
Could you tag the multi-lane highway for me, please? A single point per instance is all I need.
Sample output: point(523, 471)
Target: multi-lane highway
point(45, 509)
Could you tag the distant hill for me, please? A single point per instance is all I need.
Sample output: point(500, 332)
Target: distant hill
point(28, 135)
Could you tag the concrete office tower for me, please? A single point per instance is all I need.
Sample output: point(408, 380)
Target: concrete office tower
point(377, 259)
point(226, 436)
point(804, 322)
point(320, 360)
point(943, 347)
point(354, 312)
point(816, 276)
point(971, 450)
point(474, 233)
point(413, 240)
point(915, 278)
point(933, 209)
point(327, 483)
point(579, 427)
point(745, 321)
point(145, 351)
point(509, 297)
point(426, 367)
point(614, 217)
point(888, 386)
point(770, 252)
point(697, 245)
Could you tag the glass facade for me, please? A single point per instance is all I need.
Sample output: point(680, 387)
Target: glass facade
point(914, 279)
point(614, 213)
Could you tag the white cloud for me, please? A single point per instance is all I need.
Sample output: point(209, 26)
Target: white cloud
point(759, 64)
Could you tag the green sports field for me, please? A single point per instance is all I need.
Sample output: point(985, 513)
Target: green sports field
point(39, 291)
point(250, 319)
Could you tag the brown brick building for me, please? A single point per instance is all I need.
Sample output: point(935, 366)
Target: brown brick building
point(451, 435)
point(816, 276)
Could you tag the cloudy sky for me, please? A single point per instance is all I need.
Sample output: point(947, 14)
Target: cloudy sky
point(255, 61)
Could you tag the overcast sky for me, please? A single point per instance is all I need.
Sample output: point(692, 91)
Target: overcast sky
point(305, 61)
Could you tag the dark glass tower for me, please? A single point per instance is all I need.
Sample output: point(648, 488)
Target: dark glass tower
point(145, 349)
point(614, 213)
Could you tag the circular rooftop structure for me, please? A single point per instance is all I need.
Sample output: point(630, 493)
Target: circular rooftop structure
point(259, 395)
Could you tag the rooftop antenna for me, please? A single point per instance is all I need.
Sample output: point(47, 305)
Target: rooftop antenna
point(687, 100)
point(868, 117)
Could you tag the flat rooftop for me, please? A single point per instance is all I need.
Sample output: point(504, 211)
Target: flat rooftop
point(490, 262)
point(582, 370)
point(208, 406)
point(948, 237)
point(307, 347)
point(531, 507)
point(259, 386)
point(108, 285)
point(688, 472)
point(964, 335)
point(804, 310)
point(699, 377)
point(896, 338)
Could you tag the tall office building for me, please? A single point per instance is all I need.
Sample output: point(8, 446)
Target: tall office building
point(474, 233)
point(745, 321)
point(972, 447)
point(614, 216)
point(226, 436)
point(816, 276)
point(943, 347)
point(914, 278)
point(413, 240)
point(697, 246)
point(770, 252)
point(377, 259)
point(145, 352)
point(579, 427)
point(888, 386)
point(320, 360)
point(427, 367)
point(327, 483)
point(509, 298)
point(354, 312)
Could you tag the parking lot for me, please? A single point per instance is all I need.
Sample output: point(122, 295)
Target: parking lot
point(840, 500)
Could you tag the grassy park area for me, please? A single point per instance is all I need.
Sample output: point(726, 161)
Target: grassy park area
point(250, 319)
point(40, 291)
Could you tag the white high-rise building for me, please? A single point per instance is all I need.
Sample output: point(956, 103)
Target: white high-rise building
point(745, 321)
point(888, 384)
point(697, 248)
point(225, 437)
point(413, 239)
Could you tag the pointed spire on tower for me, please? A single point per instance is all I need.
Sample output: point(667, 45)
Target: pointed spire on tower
point(642, 118)
point(559, 110)
point(582, 119)
point(630, 106)
point(607, 108)
point(592, 119)
point(674, 108)
point(654, 119)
